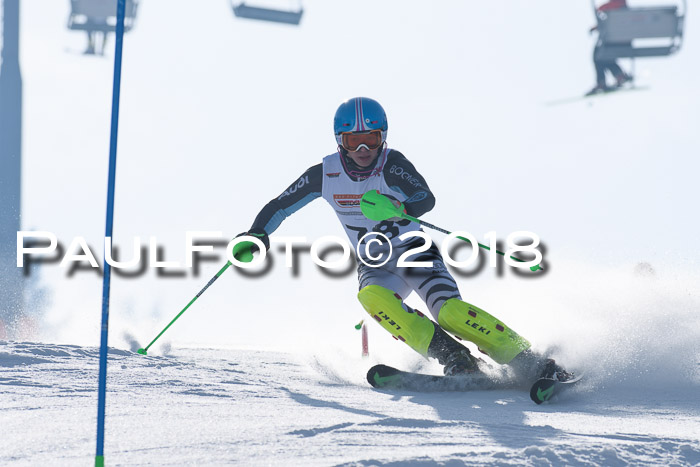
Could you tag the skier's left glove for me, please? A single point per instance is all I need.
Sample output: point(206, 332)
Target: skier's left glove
point(243, 251)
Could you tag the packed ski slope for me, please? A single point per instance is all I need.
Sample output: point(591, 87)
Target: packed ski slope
point(636, 336)
point(196, 406)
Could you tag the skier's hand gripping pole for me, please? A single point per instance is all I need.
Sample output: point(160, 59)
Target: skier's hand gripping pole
point(377, 207)
point(242, 251)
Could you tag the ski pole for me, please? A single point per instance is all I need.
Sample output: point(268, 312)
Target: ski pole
point(537, 267)
point(211, 281)
point(378, 207)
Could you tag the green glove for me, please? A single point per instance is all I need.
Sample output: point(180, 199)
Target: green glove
point(243, 251)
point(379, 207)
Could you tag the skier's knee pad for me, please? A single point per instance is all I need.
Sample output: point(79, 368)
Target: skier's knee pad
point(404, 323)
point(471, 323)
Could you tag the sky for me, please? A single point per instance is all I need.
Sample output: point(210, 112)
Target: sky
point(219, 115)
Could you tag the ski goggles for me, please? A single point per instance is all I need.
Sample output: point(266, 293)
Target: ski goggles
point(370, 139)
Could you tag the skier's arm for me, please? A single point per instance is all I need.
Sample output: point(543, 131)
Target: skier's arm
point(300, 193)
point(403, 177)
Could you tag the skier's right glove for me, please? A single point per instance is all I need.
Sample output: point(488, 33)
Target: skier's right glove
point(379, 207)
point(398, 207)
point(243, 251)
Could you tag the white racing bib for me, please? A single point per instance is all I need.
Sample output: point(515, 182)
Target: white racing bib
point(344, 195)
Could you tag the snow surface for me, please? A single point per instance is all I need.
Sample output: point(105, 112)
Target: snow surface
point(197, 406)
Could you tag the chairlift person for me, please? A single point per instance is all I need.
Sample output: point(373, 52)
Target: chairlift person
point(601, 65)
point(364, 162)
point(97, 42)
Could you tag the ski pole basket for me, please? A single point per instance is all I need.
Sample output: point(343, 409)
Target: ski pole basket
point(100, 15)
point(639, 32)
point(241, 10)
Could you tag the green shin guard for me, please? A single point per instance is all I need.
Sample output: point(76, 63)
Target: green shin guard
point(411, 327)
point(471, 323)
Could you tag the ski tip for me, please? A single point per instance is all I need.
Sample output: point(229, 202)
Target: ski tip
point(542, 390)
point(381, 375)
point(545, 388)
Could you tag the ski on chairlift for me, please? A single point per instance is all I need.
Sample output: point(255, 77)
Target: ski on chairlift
point(267, 12)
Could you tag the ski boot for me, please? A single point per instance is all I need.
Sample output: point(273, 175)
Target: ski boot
point(553, 371)
point(456, 358)
point(622, 79)
point(599, 88)
point(461, 362)
point(529, 365)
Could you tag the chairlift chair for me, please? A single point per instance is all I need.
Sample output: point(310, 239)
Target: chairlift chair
point(241, 10)
point(100, 15)
point(98, 18)
point(620, 31)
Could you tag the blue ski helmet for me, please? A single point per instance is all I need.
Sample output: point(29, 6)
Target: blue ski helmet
point(359, 114)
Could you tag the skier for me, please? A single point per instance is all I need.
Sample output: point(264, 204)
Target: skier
point(601, 65)
point(364, 162)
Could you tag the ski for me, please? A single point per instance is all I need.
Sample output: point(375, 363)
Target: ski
point(386, 377)
point(545, 388)
point(591, 97)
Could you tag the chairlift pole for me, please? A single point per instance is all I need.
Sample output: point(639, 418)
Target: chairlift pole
point(685, 13)
point(11, 280)
point(102, 386)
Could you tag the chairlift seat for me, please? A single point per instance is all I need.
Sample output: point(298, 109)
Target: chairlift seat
point(100, 15)
point(619, 28)
point(267, 14)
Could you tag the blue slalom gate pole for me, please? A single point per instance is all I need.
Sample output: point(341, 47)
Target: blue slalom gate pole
point(102, 385)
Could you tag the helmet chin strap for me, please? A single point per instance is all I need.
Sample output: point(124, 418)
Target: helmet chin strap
point(353, 170)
